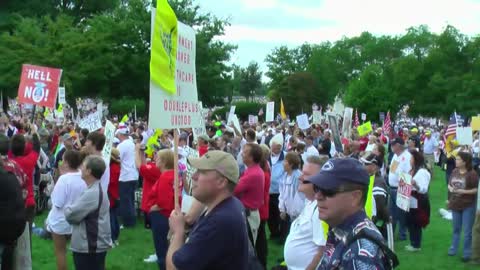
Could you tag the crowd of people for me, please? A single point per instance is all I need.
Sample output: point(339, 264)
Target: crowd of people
point(319, 202)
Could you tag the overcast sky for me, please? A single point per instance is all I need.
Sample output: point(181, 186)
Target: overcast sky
point(258, 26)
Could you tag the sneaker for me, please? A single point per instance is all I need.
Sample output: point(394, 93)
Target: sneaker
point(151, 259)
point(117, 243)
point(412, 249)
point(121, 227)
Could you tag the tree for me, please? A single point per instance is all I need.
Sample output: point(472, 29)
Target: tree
point(250, 82)
point(298, 92)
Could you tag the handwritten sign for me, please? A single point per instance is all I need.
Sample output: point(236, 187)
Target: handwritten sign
point(179, 110)
point(270, 111)
point(317, 117)
point(404, 192)
point(200, 129)
point(109, 136)
point(92, 122)
point(39, 85)
point(61, 95)
point(302, 121)
point(251, 119)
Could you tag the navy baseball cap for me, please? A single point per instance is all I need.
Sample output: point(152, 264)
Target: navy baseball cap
point(338, 171)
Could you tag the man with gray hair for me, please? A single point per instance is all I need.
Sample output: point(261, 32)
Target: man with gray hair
point(276, 165)
point(90, 219)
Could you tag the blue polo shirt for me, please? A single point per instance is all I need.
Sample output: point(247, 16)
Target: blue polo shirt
point(217, 241)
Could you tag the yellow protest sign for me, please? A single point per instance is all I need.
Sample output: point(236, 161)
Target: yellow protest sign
point(164, 47)
point(475, 123)
point(365, 129)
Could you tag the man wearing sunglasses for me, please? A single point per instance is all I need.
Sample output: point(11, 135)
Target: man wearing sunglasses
point(341, 190)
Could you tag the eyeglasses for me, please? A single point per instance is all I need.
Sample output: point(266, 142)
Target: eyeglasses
point(330, 193)
point(306, 182)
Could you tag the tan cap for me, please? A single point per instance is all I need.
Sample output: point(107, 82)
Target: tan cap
point(219, 161)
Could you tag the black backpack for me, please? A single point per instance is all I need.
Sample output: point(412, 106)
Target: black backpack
point(12, 208)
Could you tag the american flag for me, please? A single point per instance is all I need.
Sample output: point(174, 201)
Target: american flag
point(387, 124)
point(356, 123)
point(452, 126)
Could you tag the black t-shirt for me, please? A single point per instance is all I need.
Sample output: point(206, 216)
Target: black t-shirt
point(217, 241)
point(326, 145)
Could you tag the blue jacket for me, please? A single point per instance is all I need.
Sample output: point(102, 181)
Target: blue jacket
point(277, 174)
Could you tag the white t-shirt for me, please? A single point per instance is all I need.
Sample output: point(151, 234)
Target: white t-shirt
point(422, 177)
point(105, 177)
point(128, 170)
point(400, 164)
point(305, 238)
point(67, 189)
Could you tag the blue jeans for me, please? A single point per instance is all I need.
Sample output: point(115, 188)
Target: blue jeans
point(398, 215)
point(159, 229)
point(127, 203)
point(414, 230)
point(114, 225)
point(465, 219)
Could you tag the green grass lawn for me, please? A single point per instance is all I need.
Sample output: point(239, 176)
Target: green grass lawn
point(136, 244)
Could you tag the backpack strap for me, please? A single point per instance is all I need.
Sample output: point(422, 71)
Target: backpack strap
point(389, 254)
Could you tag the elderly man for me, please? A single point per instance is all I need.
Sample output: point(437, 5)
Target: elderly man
point(306, 241)
point(430, 145)
point(353, 242)
point(400, 164)
point(276, 165)
point(218, 239)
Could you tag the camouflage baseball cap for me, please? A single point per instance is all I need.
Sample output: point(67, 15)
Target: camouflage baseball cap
point(219, 161)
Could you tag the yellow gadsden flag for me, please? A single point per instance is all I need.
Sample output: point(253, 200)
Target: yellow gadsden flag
point(164, 47)
point(282, 110)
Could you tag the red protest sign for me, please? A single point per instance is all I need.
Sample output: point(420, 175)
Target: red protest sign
point(39, 85)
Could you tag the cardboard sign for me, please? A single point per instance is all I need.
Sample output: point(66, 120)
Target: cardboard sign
point(302, 121)
point(404, 192)
point(347, 122)
point(364, 129)
point(465, 135)
point(92, 122)
point(317, 117)
point(61, 95)
point(39, 85)
point(181, 109)
point(475, 123)
point(270, 111)
point(109, 136)
point(251, 119)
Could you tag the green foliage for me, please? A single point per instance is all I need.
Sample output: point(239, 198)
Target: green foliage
point(242, 110)
point(125, 106)
point(250, 80)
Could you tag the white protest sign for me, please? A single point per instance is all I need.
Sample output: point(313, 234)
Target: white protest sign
point(363, 116)
point(404, 192)
point(109, 136)
point(232, 112)
point(181, 109)
point(100, 108)
point(347, 122)
point(235, 122)
point(200, 129)
point(61, 95)
point(92, 122)
point(465, 135)
point(270, 111)
point(251, 119)
point(317, 117)
point(302, 121)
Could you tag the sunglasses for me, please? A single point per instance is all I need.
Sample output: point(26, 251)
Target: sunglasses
point(330, 193)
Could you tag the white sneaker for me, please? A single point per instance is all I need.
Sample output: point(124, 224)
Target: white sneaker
point(445, 214)
point(117, 243)
point(151, 259)
point(412, 249)
point(121, 227)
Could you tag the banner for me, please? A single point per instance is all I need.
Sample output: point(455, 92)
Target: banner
point(180, 110)
point(163, 55)
point(61, 95)
point(92, 122)
point(109, 136)
point(302, 121)
point(364, 129)
point(270, 111)
point(333, 125)
point(404, 192)
point(39, 85)
point(317, 117)
point(347, 122)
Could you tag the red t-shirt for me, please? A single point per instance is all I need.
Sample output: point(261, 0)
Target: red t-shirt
point(27, 163)
point(113, 185)
point(162, 193)
point(150, 174)
point(266, 196)
point(250, 187)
